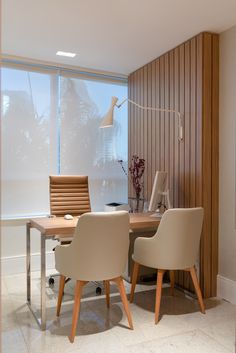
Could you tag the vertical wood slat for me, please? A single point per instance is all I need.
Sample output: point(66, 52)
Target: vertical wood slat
point(154, 129)
point(158, 116)
point(182, 109)
point(187, 150)
point(185, 79)
point(192, 111)
point(172, 126)
point(206, 253)
point(138, 113)
point(187, 103)
point(182, 145)
point(166, 115)
point(131, 127)
point(215, 161)
point(142, 96)
point(176, 142)
point(149, 128)
point(199, 127)
point(162, 117)
point(193, 103)
point(145, 126)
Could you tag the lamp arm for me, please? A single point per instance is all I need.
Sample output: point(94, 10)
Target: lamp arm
point(180, 124)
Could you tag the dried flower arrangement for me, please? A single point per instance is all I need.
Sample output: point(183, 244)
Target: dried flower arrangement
point(136, 170)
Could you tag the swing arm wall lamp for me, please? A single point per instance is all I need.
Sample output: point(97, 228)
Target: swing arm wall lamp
point(107, 120)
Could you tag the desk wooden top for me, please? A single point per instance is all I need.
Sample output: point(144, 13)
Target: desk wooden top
point(59, 225)
point(143, 221)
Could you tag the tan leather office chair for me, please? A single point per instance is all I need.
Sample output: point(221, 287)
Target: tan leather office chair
point(69, 194)
point(174, 247)
point(98, 251)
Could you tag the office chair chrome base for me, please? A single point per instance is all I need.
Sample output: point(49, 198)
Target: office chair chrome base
point(51, 282)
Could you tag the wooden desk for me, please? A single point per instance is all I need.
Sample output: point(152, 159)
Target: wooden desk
point(58, 225)
point(48, 227)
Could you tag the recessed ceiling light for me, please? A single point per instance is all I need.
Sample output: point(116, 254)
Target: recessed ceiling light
point(64, 53)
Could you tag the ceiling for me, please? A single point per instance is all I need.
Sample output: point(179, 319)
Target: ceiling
point(114, 36)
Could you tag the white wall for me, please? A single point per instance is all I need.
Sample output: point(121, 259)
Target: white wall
point(13, 247)
point(227, 177)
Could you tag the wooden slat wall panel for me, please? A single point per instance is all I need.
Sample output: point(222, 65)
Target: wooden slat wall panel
point(187, 144)
point(172, 125)
point(206, 146)
point(158, 118)
point(149, 128)
point(145, 125)
point(175, 202)
point(182, 145)
point(166, 115)
point(185, 79)
point(161, 115)
point(215, 161)
point(192, 110)
point(154, 126)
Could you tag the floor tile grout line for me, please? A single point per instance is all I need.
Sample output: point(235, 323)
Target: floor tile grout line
point(17, 323)
point(195, 327)
point(214, 339)
point(180, 334)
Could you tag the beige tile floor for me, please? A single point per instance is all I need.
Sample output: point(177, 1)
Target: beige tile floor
point(182, 328)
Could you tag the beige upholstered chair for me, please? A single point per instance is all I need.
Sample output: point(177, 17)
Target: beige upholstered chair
point(98, 251)
point(174, 247)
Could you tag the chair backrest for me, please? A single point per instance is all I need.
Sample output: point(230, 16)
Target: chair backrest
point(177, 238)
point(69, 194)
point(99, 249)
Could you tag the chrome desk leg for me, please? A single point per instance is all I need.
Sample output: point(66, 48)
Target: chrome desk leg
point(40, 321)
point(43, 283)
point(28, 269)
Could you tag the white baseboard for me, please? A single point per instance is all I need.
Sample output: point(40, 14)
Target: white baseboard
point(17, 264)
point(226, 289)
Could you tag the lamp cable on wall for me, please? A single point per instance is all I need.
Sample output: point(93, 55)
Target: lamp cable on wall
point(108, 117)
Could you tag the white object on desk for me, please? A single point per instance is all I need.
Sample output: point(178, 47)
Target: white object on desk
point(68, 216)
point(157, 215)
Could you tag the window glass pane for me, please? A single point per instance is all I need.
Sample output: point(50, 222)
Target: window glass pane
point(85, 148)
point(43, 135)
point(29, 133)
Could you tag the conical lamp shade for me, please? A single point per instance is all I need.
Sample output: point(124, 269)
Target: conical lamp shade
point(108, 118)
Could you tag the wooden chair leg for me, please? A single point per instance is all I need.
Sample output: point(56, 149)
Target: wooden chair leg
point(60, 293)
point(78, 292)
point(197, 289)
point(160, 274)
point(172, 282)
point(120, 283)
point(107, 291)
point(134, 281)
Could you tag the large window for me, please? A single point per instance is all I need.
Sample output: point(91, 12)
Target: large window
point(50, 125)
point(87, 149)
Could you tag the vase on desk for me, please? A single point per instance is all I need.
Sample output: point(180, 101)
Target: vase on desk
point(136, 204)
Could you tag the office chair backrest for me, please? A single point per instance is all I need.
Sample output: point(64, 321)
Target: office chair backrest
point(69, 194)
point(177, 238)
point(99, 249)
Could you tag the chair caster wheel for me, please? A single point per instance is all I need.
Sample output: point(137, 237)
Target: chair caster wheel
point(51, 281)
point(98, 290)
